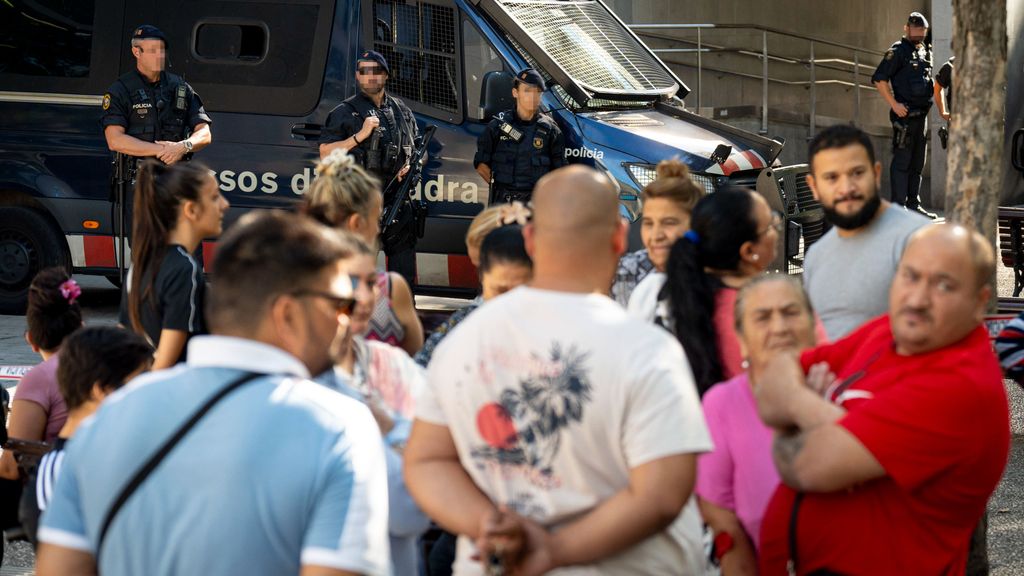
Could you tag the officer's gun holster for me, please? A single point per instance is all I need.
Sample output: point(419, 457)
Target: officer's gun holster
point(899, 140)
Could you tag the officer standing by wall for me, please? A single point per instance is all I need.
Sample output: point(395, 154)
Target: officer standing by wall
point(521, 145)
point(381, 132)
point(904, 79)
point(944, 97)
point(151, 112)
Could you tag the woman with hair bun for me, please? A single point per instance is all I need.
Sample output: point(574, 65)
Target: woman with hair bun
point(345, 196)
point(38, 410)
point(667, 204)
point(176, 208)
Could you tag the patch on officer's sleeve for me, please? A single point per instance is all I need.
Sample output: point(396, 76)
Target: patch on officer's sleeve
point(889, 54)
point(106, 101)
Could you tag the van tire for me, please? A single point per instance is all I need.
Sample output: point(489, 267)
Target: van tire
point(29, 242)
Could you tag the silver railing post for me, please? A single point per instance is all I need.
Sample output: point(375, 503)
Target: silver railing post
point(764, 82)
point(700, 72)
point(814, 95)
point(856, 87)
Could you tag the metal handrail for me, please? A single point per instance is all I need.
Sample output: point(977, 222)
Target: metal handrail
point(811, 62)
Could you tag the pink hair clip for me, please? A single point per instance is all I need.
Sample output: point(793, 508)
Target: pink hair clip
point(70, 290)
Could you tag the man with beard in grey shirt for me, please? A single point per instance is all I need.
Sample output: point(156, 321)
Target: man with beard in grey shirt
point(848, 272)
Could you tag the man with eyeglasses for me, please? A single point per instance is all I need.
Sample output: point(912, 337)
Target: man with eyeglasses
point(152, 112)
point(848, 271)
point(281, 476)
point(380, 131)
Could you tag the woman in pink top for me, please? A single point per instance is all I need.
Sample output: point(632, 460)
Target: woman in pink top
point(38, 410)
point(736, 480)
point(732, 239)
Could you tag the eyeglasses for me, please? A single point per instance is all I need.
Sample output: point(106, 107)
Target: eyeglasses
point(776, 224)
point(342, 304)
point(368, 70)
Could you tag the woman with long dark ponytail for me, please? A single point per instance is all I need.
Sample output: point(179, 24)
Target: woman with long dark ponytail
point(732, 239)
point(176, 207)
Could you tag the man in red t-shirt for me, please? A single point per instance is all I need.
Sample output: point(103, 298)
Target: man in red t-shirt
point(899, 433)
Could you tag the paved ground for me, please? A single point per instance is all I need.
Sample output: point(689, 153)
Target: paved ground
point(1006, 509)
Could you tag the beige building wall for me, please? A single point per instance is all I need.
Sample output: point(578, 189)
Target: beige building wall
point(731, 79)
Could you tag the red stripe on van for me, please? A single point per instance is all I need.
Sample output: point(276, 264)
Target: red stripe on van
point(753, 158)
point(729, 166)
point(99, 251)
point(462, 273)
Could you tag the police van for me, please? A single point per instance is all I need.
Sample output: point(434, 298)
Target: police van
point(269, 73)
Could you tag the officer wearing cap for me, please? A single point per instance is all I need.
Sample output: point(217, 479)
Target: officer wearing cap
point(151, 112)
point(904, 79)
point(380, 131)
point(521, 145)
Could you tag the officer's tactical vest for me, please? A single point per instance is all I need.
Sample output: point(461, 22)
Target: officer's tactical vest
point(164, 119)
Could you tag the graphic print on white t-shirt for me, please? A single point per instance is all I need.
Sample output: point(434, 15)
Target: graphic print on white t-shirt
point(523, 429)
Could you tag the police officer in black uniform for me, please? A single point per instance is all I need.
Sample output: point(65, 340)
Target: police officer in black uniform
point(904, 79)
point(521, 145)
point(381, 132)
point(151, 112)
point(944, 97)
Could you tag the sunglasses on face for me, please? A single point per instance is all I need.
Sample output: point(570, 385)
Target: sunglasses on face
point(368, 70)
point(341, 304)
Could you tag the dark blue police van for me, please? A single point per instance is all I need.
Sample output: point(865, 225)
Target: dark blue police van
point(269, 72)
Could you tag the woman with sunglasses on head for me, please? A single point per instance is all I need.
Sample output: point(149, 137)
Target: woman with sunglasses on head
point(346, 197)
point(732, 238)
point(176, 208)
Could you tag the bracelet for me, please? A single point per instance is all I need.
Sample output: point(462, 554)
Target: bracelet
point(356, 138)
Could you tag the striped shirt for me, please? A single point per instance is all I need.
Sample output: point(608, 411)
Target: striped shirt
point(47, 473)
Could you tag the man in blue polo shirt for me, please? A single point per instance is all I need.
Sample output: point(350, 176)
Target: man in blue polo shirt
point(281, 476)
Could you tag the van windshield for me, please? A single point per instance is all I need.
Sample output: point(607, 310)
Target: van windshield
point(591, 47)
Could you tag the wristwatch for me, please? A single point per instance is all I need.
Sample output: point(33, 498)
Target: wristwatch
point(723, 544)
point(188, 146)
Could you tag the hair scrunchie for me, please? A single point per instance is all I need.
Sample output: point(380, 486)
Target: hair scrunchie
point(70, 290)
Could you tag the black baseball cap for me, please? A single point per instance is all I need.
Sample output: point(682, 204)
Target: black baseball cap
point(917, 19)
point(147, 32)
point(372, 56)
point(531, 77)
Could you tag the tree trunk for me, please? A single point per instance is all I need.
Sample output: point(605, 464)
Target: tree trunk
point(975, 159)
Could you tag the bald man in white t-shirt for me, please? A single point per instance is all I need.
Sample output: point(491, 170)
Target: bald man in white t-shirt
point(551, 403)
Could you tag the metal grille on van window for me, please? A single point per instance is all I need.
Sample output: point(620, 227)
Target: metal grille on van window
point(592, 47)
point(418, 41)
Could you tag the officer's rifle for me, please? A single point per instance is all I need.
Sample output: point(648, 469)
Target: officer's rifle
point(121, 182)
point(397, 192)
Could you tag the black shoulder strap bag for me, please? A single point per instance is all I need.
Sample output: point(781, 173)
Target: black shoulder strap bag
point(146, 469)
point(791, 565)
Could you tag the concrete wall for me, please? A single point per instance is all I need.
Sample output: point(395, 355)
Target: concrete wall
point(873, 26)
